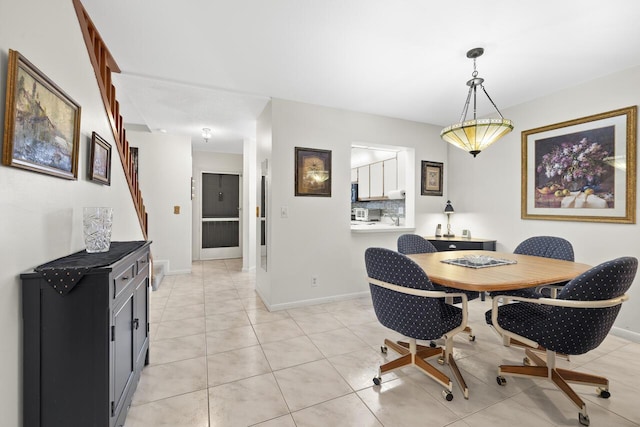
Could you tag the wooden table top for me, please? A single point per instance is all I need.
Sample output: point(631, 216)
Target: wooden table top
point(529, 271)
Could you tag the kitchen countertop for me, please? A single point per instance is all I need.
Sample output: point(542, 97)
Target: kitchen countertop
point(378, 227)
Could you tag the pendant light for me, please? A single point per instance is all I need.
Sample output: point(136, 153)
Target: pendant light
point(477, 134)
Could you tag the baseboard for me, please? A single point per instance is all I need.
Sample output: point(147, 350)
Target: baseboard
point(178, 272)
point(626, 334)
point(315, 301)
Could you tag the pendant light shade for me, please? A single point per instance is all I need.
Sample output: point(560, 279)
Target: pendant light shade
point(477, 134)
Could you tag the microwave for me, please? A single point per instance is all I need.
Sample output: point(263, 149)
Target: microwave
point(363, 214)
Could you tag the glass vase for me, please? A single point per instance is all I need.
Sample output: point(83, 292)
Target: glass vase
point(97, 229)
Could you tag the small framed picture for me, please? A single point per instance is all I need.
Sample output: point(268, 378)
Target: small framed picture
point(100, 160)
point(313, 172)
point(431, 178)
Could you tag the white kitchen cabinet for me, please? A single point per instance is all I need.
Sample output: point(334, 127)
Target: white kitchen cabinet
point(376, 180)
point(363, 182)
point(390, 176)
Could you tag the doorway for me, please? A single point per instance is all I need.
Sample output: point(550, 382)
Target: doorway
point(220, 216)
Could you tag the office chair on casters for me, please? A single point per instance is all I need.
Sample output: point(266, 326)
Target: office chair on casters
point(404, 300)
point(547, 247)
point(413, 244)
point(574, 322)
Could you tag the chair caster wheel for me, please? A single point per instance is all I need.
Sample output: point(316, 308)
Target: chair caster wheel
point(526, 361)
point(501, 380)
point(472, 338)
point(584, 419)
point(383, 349)
point(377, 380)
point(603, 393)
point(433, 344)
point(440, 360)
point(448, 396)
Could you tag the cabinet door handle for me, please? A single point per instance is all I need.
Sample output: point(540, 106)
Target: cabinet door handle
point(136, 323)
point(125, 278)
point(452, 246)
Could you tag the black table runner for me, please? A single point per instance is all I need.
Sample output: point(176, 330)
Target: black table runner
point(65, 273)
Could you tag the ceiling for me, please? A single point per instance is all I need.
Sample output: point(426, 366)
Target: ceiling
point(192, 64)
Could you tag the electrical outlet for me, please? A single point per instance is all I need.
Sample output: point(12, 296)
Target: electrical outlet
point(314, 281)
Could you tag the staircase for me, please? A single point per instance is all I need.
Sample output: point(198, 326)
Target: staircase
point(103, 65)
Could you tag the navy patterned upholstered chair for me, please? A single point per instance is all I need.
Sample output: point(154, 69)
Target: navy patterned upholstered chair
point(574, 322)
point(404, 300)
point(413, 244)
point(547, 247)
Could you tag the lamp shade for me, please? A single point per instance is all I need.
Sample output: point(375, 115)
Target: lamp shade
point(476, 135)
point(449, 208)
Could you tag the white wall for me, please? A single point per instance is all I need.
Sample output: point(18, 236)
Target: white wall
point(316, 239)
point(486, 190)
point(164, 170)
point(264, 141)
point(41, 216)
point(205, 161)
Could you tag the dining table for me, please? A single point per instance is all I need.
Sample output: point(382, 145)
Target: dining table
point(489, 271)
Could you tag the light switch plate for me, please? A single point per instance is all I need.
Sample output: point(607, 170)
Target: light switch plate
point(284, 212)
point(176, 210)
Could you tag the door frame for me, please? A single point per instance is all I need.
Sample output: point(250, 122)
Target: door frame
point(224, 253)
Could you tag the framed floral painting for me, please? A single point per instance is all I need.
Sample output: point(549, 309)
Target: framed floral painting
point(582, 169)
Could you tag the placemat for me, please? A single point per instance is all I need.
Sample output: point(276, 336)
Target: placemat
point(491, 262)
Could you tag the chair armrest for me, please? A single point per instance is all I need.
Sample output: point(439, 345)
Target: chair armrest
point(565, 302)
point(418, 292)
point(547, 301)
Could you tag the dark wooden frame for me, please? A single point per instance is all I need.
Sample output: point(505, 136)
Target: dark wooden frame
point(25, 81)
point(97, 143)
point(623, 121)
point(429, 168)
point(303, 158)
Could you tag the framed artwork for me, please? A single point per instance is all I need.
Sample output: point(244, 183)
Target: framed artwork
point(312, 172)
point(582, 169)
point(133, 152)
point(100, 161)
point(431, 178)
point(42, 123)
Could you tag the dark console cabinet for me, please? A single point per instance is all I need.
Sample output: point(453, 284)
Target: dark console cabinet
point(84, 351)
point(462, 244)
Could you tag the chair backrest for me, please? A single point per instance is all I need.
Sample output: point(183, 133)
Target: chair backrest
point(411, 315)
point(413, 244)
point(546, 246)
point(578, 330)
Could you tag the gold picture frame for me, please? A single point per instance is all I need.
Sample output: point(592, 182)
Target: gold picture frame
point(312, 172)
point(582, 169)
point(42, 123)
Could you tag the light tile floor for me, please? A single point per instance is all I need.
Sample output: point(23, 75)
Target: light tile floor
point(220, 359)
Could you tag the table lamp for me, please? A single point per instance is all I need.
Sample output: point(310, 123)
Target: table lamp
point(448, 210)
